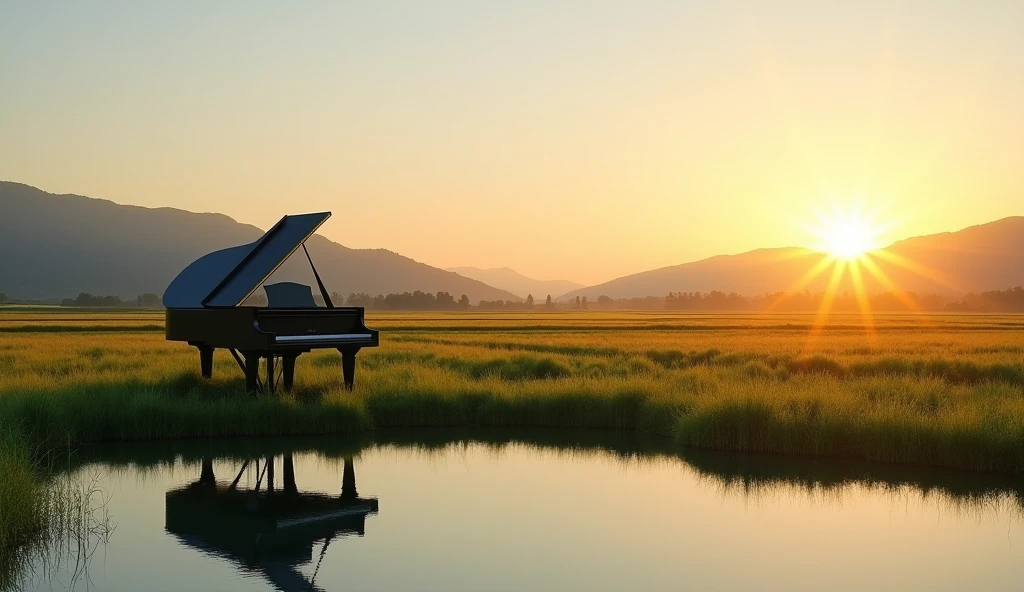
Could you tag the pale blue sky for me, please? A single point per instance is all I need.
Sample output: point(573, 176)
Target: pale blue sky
point(579, 140)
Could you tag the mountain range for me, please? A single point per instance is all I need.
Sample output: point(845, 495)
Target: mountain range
point(56, 246)
point(517, 283)
point(979, 258)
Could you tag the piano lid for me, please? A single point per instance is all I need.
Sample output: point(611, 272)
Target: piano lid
point(225, 278)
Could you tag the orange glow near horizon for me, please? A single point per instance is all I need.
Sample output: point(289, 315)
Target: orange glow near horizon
point(571, 140)
point(848, 244)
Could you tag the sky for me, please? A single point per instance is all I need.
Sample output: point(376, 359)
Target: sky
point(578, 140)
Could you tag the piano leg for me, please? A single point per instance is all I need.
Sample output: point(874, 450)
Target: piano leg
point(348, 366)
point(206, 361)
point(289, 474)
point(252, 371)
point(288, 369)
point(206, 476)
point(348, 480)
point(269, 384)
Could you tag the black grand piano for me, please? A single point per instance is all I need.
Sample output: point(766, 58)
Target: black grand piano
point(204, 307)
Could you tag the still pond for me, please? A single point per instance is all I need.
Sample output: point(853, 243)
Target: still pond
point(485, 510)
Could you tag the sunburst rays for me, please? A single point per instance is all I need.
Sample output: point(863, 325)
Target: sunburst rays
point(826, 305)
point(863, 302)
point(847, 269)
point(859, 269)
point(918, 269)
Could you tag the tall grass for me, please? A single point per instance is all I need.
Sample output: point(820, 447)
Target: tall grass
point(950, 393)
point(926, 421)
point(22, 499)
point(50, 529)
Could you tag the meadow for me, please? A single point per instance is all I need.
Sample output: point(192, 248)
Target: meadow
point(941, 390)
point(927, 390)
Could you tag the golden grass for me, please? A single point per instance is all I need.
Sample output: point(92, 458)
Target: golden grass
point(945, 390)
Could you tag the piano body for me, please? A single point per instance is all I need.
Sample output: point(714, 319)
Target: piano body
point(204, 308)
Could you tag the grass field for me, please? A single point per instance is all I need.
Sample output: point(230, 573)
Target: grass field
point(942, 391)
point(930, 390)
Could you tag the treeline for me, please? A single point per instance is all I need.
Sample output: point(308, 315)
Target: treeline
point(407, 301)
point(528, 304)
point(147, 300)
point(440, 301)
point(1010, 300)
point(805, 301)
point(87, 299)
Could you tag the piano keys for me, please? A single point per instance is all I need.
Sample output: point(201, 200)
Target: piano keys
point(204, 307)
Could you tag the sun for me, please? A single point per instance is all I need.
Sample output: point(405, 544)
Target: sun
point(850, 254)
point(846, 235)
point(848, 239)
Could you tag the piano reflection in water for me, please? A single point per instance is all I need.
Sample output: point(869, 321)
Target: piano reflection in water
point(204, 308)
point(269, 528)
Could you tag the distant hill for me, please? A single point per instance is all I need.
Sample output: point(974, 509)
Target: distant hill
point(517, 283)
point(985, 257)
point(56, 246)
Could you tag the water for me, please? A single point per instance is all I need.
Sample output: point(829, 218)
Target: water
point(544, 511)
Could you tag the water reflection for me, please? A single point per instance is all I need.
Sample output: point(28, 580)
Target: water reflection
point(760, 475)
point(574, 509)
point(75, 525)
point(265, 529)
point(749, 475)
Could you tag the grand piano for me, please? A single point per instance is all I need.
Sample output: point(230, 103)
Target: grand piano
point(204, 307)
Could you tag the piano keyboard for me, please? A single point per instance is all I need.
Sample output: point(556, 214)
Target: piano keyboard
point(314, 338)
